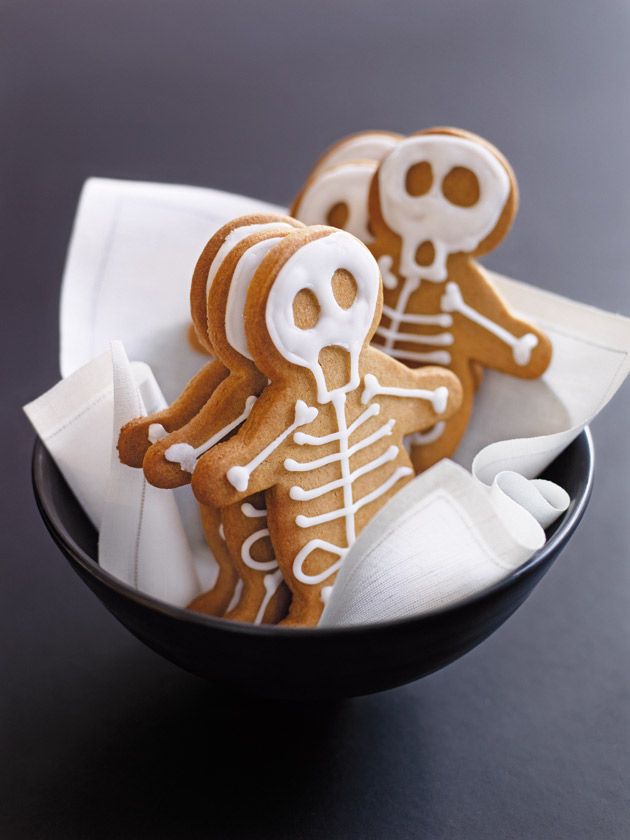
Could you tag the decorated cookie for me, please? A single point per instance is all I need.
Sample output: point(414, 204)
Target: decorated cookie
point(324, 439)
point(238, 247)
point(336, 191)
point(440, 199)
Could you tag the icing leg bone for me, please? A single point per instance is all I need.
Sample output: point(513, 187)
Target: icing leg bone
point(239, 476)
point(438, 397)
point(272, 583)
point(155, 432)
point(453, 301)
point(257, 565)
point(186, 455)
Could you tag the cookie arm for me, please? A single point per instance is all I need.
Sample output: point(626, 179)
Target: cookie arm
point(134, 439)
point(418, 397)
point(171, 461)
point(497, 338)
point(251, 460)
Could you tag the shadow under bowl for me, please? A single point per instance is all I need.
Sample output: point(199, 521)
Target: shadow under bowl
point(290, 663)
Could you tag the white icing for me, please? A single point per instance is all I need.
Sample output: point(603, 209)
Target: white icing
point(238, 476)
point(301, 438)
point(453, 301)
point(222, 532)
point(186, 455)
point(156, 432)
point(349, 184)
point(444, 339)
point(364, 146)
point(233, 238)
point(350, 506)
point(435, 357)
point(438, 397)
point(312, 267)
point(236, 595)
point(305, 466)
point(423, 438)
point(272, 583)
point(300, 495)
point(309, 521)
point(431, 217)
point(237, 294)
point(247, 509)
point(439, 320)
point(309, 548)
point(246, 552)
point(390, 281)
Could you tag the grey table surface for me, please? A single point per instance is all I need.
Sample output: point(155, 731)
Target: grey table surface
point(526, 737)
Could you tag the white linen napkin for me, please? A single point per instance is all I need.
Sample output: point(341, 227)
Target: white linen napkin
point(127, 277)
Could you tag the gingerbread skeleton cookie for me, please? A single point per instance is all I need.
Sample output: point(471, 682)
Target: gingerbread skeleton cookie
point(440, 199)
point(238, 249)
point(336, 191)
point(324, 439)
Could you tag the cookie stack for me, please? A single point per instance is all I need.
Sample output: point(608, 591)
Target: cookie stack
point(328, 387)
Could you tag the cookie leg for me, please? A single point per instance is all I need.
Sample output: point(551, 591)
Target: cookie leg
point(261, 602)
point(216, 600)
point(306, 608)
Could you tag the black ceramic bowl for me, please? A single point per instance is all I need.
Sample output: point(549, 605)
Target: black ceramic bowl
point(302, 664)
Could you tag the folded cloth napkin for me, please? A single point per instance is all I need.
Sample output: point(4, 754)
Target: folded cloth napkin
point(127, 276)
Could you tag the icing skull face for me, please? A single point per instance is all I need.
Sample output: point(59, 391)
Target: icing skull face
point(444, 193)
point(344, 186)
point(311, 270)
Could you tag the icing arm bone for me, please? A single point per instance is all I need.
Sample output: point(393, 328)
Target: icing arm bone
point(239, 460)
point(505, 342)
point(137, 435)
point(173, 457)
point(239, 476)
point(453, 301)
point(432, 394)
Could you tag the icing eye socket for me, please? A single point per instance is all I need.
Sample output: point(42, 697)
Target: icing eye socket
point(305, 309)
point(338, 215)
point(419, 179)
point(425, 253)
point(461, 187)
point(344, 288)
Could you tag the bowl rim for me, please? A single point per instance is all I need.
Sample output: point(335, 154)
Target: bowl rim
point(70, 548)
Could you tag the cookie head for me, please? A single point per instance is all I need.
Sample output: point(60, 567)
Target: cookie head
point(442, 192)
point(318, 295)
point(339, 197)
point(337, 189)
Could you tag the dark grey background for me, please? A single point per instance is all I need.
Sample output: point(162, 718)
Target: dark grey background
point(526, 737)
